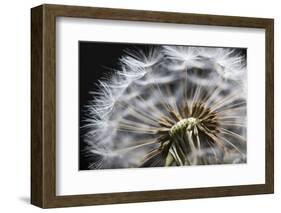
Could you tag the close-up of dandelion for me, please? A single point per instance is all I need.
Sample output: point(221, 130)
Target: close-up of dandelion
point(166, 105)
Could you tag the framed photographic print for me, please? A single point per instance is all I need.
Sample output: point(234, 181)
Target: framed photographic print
point(136, 106)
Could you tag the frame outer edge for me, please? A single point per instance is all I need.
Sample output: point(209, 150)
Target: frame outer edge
point(37, 189)
point(49, 107)
point(156, 16)
point(43, 187)
point(270, 106)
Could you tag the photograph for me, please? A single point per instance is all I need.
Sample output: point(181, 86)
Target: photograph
point(161, 105)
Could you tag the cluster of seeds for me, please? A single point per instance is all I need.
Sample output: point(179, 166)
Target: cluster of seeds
point(183, 125)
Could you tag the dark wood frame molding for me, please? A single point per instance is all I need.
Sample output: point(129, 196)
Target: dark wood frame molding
point(43, 105)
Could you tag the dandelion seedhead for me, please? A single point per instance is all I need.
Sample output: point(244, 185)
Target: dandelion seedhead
point(169, 106)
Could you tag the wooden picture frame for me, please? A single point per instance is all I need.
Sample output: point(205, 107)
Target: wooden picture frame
point(43, 105)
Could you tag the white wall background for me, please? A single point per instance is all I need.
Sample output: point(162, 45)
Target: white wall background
point(15, 104)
